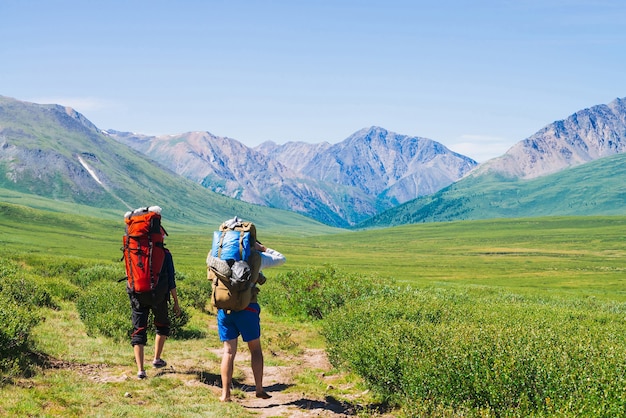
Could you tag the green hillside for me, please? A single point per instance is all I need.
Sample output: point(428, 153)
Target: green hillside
point(594, 188)
point(278, 221)
point(45, 147)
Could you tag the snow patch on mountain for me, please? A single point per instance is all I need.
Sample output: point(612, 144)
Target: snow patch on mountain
point(91, 171)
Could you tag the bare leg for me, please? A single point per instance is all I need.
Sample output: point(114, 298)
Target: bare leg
point(228, 365)
point(256, 360)
point(138, 349)
point(159, 343)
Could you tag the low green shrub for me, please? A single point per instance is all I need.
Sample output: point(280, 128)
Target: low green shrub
point(487, 353)
point(15, 339)
point(104, 308)
point(312, 293)
point(26, 292)
point(193, 290)
point(52, 266)
point(8, 268)
point(60, 289)
point(87, 275)
point(21, 299)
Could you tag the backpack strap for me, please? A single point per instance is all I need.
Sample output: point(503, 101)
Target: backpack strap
point(219, 247)
point(242, 234)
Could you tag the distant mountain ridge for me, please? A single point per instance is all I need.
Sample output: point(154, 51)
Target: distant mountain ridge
point(589, 134)
point(367, 180)
point(574, 166)
point(339, 184)
point(378, 162)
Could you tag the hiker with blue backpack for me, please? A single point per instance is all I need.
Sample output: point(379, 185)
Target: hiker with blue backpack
point(235, 265)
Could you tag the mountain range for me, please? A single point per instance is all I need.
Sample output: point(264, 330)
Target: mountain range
point(574, 166)
point(341, 184)
point(52, 157)
point(373, 178)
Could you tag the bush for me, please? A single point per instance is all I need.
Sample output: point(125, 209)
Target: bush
point(314, 292)
point(104, 308)
point(436, 350)
point(51, 266)
point(8, 268)
point(87, 275)
point(60, 289)
point(15, 343)
point(193, 291)
point(26, 292)
point(20, 301)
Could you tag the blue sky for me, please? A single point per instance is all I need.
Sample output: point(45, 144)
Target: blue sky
point(477, 76)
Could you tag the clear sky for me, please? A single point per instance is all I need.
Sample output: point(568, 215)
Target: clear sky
point(477, 76)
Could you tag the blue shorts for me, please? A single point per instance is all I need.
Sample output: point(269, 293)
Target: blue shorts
point(246, 323)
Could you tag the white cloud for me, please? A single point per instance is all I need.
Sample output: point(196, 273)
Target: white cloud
point(480, 147)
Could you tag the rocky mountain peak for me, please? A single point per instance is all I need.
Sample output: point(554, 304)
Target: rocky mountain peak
point(584, 136)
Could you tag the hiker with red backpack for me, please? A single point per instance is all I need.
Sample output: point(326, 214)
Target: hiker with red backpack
point(151, 281)
point(238, 310)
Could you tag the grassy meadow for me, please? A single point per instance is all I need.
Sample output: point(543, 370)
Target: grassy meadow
point(517, 317)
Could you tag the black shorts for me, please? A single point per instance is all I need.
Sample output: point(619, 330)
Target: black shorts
point(141, 304)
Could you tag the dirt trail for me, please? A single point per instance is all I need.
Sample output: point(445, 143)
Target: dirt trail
point(276, 379)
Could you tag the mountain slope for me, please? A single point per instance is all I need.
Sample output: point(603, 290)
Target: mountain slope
point(53, 152)
point(340, 184)
point(585, 136)
point(595, 188)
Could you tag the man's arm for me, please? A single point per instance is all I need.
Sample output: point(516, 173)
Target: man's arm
point(269, 257)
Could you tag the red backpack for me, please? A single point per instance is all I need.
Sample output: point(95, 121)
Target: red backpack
point(143, 248)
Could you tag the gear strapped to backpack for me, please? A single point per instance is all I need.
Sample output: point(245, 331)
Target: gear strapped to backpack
point(233, 265)
point(143, 248)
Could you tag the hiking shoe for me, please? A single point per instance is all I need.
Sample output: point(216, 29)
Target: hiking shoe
point(159, 363)
point(141, 375)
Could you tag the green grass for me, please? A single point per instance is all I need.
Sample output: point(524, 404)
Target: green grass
point(559, 272)
point(579, 256)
